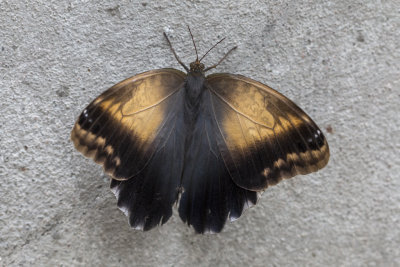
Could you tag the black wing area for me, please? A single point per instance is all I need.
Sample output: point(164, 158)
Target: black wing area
point(209, 195)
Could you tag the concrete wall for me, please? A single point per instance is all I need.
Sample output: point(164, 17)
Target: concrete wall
point(339, 60)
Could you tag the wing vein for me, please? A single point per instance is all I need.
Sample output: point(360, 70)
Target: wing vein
point(222, 135)
point(245, 139)
point(288, 104)
point(158, 131)
point(237, 111)
point(208, 140)
point(154, 105)
point(291, 123)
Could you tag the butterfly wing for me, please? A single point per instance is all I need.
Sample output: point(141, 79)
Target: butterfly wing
point(265, 136)
point(135, 130)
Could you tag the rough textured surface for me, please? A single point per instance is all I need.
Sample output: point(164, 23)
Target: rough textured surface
point(339, 60)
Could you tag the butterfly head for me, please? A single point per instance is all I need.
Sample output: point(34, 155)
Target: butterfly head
point(197, 67)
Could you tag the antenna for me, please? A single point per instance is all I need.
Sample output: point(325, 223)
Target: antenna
point(194, 44)
point(173, 51)
point(214, 66)
point(211, 48)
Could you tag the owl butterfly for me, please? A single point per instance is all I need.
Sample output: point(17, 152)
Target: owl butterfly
point(209, 144)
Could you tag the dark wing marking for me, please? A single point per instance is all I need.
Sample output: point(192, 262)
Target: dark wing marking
point(266, 137)
point(136, 130)
point(209, 195)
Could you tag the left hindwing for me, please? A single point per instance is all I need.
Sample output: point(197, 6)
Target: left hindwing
point(266, 137)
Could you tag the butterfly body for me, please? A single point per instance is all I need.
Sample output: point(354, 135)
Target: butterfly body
point(194, 88)
point(209, 144)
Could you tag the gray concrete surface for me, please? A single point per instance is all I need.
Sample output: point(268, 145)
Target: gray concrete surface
point(339, 60)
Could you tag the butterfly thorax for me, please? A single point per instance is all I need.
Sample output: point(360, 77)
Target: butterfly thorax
point(194, 83)
point(194, 87)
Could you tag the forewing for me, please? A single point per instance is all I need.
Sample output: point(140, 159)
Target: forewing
point(266, 137)
point(122, 128)
point(209, 195)
point(136, 130)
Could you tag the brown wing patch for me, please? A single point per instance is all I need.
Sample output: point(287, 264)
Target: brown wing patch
point(266, 136)
point(119, 128)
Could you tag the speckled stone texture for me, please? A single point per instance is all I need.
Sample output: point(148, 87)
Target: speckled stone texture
point(338, 60)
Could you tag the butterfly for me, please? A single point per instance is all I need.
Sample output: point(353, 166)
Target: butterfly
point(209, 144)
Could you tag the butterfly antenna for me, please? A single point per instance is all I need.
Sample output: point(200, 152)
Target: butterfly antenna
point(173, 51)
point(213, 66)
point(211, 49)
point(194, 44)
